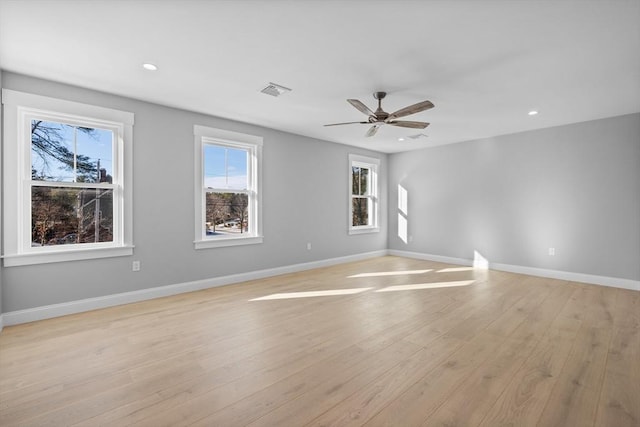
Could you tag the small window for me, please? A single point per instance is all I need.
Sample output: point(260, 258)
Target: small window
point(228, 188)
point(363, 188)
point(67, 188)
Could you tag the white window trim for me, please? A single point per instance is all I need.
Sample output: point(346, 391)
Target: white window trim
point(18, 106)
point(202, 136)
point(372, 164)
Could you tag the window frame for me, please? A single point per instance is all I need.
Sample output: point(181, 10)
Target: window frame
point(19, 109)
point(373, 165)
point(203, 136)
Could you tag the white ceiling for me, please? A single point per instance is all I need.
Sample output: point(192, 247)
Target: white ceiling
point(484, 64)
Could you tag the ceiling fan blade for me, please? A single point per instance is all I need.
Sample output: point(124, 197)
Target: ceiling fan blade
point(347, 123)
point(361, 107)
point(409, 124)
point(372, 130)
point(412, 109)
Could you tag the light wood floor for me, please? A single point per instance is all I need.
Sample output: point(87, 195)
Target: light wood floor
point(477, 348)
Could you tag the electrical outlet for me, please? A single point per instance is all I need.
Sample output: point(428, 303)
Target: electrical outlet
point(308, 246)
point(552, 251)
point(135, 266)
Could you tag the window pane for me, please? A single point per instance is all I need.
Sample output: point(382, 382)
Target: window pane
point(226, 214)
point(65, 153)
point(364, 181)
point(359, 181)
point(61, 216)
point(355, 180)
point(360, 215)
point(225, 167)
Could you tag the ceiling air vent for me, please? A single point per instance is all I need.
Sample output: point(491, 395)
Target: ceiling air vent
point(418, 136)
point(275, 89)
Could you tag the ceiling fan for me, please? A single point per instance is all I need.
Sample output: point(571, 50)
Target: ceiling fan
point(380, 117)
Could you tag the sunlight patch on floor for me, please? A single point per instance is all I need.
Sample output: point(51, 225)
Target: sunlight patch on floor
point(309, 294)
point(389, 273)
point(454, 269)
point(352, 291)
point(426, 286)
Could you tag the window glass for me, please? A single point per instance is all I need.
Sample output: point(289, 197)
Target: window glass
point(64, 216)
point(227, 214)
point(360, 209)
point(360, 205)
point(66, 153)
point(360, 179)
point(225, 167)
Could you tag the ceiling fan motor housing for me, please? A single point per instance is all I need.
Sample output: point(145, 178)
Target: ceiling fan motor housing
point(380, 114)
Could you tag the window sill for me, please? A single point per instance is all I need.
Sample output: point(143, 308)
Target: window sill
point(230, 241)
point(65, 255)
point(364, 230)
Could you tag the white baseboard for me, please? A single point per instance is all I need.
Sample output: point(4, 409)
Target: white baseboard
point(72, 307)
point(614, 282)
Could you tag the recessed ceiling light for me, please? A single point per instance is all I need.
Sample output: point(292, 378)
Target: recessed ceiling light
point(400, 139)
point(149, 66)
point(533, 112)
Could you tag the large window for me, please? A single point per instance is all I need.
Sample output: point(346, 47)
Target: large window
point(363, 201)
point(227, 188)
point(71, 184)
point(64, 180)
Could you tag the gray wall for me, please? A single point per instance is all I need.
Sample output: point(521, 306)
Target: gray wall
point(305, 184)
point(1, 201)
point(575, 188)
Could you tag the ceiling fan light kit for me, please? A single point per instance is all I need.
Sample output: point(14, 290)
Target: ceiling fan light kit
point(380, 117)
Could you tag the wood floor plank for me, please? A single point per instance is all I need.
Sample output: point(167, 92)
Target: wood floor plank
point(524, 398)
point(526, 327)
point(245, 399)
point(482, 386)
point(620, 401)
point(430, 391)
point(355, 407)
point(441, 322)
point(233, 380)
point(620, 396)
point(575, 396)
point(415, 347)
point(627, 308)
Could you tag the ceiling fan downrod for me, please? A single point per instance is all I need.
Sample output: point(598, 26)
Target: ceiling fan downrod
point(380, 114)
